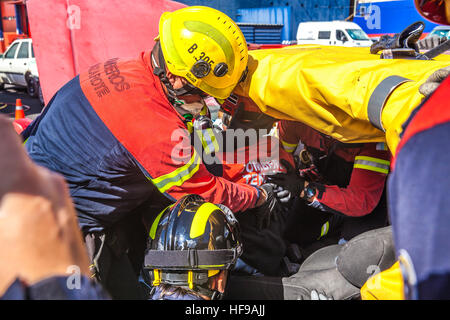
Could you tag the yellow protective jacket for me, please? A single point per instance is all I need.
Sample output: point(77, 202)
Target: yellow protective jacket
point(330, 88)
point(386, 285)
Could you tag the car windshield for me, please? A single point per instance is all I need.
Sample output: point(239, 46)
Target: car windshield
point(357, 34)
point(441, 33)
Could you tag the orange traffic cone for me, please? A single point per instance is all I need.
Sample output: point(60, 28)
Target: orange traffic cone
point(20, 114)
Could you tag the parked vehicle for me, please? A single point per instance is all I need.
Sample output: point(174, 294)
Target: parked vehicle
point(18, 67)
point(335, 33)
point(440, 31)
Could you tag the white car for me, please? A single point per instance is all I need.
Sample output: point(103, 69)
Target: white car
point(18, 67)
point(333, 33)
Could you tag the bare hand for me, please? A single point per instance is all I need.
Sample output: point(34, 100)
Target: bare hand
point(39, 234)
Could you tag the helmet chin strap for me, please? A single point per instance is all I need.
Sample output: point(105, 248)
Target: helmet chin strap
point(159, 70)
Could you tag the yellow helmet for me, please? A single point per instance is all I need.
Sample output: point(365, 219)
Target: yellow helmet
point(204, 46)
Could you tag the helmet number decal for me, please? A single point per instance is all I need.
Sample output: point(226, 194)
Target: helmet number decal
point(192, 48)
point(202, 55)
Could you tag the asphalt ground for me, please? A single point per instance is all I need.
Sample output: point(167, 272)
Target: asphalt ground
point(32, 106)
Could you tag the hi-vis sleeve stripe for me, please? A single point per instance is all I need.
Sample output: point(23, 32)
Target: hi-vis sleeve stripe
point(179, 176)
point(208, 140)
point(372, 164)
point(289, 147)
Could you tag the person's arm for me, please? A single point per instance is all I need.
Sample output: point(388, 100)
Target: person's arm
point(39, 234)
point(182, 172)
point(364, 191)
point(288, 135)
point(330, 89)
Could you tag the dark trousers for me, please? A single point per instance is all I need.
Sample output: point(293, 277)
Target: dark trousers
point(117, 255)
point(304, 225)
point(263, 250)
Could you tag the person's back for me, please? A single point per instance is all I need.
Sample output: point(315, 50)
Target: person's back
point(90, 133)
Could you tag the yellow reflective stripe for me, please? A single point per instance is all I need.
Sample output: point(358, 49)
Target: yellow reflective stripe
point(209, 141)
point(201, 217)
point(324, 229)
point(372, 164)
point(156, 222)
point(179, 176)
point(25, 141)
point(381, 161)
point(211, 266)
point(370, 168)
point(289, 147)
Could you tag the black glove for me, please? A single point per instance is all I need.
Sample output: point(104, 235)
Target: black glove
point(290, 182)
point(401, 44)
point(269, 209)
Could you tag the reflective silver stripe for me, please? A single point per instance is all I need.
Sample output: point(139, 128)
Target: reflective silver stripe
point(208, 140)
point(179, 176)
point(373, 164)
point(379, 96)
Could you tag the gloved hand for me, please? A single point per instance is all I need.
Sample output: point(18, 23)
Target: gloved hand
point(269, 209)
point(291, 183)
point(434, 81)
point(403, 43)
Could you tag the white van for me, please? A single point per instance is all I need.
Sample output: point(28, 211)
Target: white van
point(333, 33)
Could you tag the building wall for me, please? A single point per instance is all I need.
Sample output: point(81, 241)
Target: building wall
point(302, 10)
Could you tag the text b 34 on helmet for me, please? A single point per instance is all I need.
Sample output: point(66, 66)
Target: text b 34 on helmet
point(191, 241)
point(204, 46)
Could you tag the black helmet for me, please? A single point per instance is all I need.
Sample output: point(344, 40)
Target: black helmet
point(191, 241)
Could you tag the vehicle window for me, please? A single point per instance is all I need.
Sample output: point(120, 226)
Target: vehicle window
point(441, 33)
point(32, 51)
point(357, 34)
point(340, 35)
point(23, 51)
point(12, 51)
point(324, 35)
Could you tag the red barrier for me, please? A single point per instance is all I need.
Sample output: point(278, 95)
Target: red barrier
point(21, 124)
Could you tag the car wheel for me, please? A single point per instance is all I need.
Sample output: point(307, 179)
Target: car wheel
point(32, 87)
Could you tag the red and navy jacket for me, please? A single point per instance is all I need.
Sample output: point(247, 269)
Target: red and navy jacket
point(418, 197)
point(353, 176)
point(116, 139)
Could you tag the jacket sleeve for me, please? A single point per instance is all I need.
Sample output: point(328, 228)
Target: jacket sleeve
point(330, 89)
point(180, 171)
point(289, 138)
point(366, 185)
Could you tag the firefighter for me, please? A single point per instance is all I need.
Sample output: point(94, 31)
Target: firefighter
point(340, 185)
point(119, 134)
point(192, 247)
point(417, 193)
